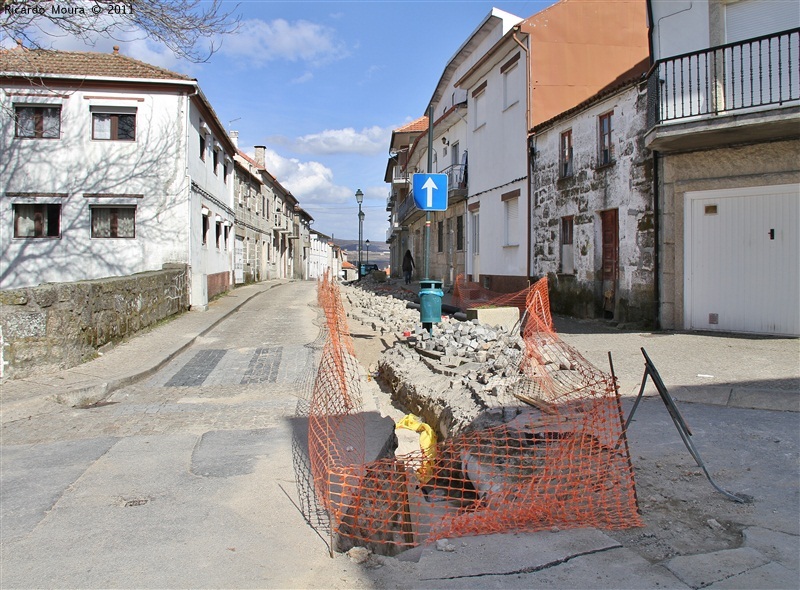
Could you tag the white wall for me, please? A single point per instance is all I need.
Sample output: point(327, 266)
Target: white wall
point(498, 165)
point(679, 27)
point(70, 167)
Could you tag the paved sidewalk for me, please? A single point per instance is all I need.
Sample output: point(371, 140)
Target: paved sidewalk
point(127, 363)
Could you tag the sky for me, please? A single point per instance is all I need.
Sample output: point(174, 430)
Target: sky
point(322, 85)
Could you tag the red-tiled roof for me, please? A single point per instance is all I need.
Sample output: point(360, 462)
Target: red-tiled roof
point(420, 124)
point(80, 63)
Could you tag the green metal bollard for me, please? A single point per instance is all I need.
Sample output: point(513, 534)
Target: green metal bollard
point(430, 303)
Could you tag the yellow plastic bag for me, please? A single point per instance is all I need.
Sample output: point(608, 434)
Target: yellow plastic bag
point(427, 443)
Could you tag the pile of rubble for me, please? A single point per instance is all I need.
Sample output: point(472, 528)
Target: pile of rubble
point(450, 377)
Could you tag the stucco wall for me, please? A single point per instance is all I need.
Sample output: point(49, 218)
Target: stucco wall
point(59, 325)
point(78, 172)
point(764, 164)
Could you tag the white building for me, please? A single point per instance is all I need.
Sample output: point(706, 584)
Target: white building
point(724, 127)
point(450, 155)
point(322, 257)
point(110, 167)
point(535, 69)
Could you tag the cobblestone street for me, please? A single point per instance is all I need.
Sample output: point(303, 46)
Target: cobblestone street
point(185, 479)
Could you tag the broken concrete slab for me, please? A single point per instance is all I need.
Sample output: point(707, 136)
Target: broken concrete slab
point(701, 571)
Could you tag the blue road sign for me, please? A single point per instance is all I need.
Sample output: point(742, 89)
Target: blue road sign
point(430, 191)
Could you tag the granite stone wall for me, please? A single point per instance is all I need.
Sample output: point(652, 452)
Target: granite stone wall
point(59, 325)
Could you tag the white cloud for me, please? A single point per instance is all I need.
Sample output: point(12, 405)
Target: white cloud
point(260, 42)
point(133, 42)
point(311, 182)
point(369, 141)
point(307, 77)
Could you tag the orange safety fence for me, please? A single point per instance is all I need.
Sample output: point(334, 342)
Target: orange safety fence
point(555, 457)
point(469, 294)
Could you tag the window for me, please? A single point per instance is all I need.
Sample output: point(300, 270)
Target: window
point(113, 222)
point(476, 232)
point(114, 126)
point(510, 71)
point(606, 155)
point(567, 252)
point(460, 232)
point(38, 122)
point(565, 164)
point(440, 236)
point(37, 221)
point(264, 212)
point(511, 218)
point(227, 235)
point(202, 147)
point(479, 102)
point(205, 229)
point(225, 174)
point(216, 161)
point(219, 233)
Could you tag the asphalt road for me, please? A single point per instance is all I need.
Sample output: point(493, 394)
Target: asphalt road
point(198, 477)
point(189, 479)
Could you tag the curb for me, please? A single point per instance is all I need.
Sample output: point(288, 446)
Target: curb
point(98, 392)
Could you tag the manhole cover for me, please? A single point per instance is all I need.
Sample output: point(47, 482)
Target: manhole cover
point(136, 502)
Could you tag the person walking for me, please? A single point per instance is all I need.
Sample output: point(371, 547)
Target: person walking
point(408, 266)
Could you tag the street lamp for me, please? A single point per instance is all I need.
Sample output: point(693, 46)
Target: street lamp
point(367, 243)
point(360, 199)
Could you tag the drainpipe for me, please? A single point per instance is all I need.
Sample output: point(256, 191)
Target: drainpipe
point(656, 238)
point(528, 135)
point(188, 177)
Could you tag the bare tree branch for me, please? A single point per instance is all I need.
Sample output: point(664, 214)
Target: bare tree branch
point(180, 25)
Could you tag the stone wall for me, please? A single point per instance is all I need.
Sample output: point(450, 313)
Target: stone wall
point(59, 325)
point(626, 184)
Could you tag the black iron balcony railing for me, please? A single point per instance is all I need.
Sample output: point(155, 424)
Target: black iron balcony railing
point(751, 74)
point(456, 177)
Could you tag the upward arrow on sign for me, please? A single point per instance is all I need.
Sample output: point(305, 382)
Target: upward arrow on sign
point(429, 187)
point(430, 191)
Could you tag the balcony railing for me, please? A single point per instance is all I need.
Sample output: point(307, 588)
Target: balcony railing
point(751, 74)
point(456, 177)
point(400, 176)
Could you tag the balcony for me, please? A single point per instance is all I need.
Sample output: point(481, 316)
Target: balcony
point(456, 183)
point(400, 176)
point(734, 93)
point(390, 202)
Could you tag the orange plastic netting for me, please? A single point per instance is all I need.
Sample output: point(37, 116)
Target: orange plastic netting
point(558, 459)
point(468, 294)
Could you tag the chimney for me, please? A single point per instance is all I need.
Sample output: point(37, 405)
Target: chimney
point(116, 49)
point(260, 149)
point(235, 138)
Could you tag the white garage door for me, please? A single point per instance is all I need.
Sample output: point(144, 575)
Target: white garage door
point(742, 263)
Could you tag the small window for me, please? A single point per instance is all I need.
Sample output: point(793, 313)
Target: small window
point(114, 126)
point(219, 233)
point(476, 233)
point(606, 155)
point(567, 252)
point(510, 71)
point(216, 161)
point(565, 166)
point(225, 174)
point(511, 219)
point(227, 235)
point(202, 147)
point(440, 236)
point(113, 222)
point(460, 232)
point(37, 221)
point(205, 229)
point(479, 104)
point(38, 122)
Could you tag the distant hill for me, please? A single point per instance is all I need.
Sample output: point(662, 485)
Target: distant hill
point(378, 251)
